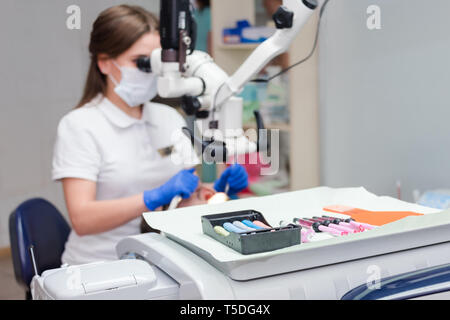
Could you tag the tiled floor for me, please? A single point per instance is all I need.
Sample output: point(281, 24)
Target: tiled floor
point(9, 290)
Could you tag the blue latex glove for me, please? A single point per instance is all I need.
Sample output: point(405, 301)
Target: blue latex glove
point(183, 184)
point(235, 177)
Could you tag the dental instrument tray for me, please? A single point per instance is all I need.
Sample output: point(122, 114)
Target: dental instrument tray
point(250, 241)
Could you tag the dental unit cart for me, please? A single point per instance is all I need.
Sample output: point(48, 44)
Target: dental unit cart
point(184, 263)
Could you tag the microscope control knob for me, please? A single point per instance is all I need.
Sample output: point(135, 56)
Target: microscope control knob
point(190, 105)
point(283, 18)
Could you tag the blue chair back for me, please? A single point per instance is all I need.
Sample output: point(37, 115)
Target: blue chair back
point(37, 223)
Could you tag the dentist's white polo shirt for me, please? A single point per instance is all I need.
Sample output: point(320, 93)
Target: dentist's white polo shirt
point(101, 143)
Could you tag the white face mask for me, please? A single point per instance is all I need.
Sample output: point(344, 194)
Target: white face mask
point(136, 87)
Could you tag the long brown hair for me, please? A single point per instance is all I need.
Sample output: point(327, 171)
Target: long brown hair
point(114, 32)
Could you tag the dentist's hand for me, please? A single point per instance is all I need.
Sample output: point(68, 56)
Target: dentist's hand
point(236, 177)
point(183, 184)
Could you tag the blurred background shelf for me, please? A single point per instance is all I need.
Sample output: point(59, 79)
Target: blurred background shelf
point(280, 126)
point(303, 128)
point(239, 46)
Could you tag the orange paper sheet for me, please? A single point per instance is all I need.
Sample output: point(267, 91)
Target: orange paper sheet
point(375, 218)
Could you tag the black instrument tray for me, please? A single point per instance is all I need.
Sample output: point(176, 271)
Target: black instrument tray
point(252, 241)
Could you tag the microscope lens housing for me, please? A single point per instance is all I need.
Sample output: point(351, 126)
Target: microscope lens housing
point(175, 16)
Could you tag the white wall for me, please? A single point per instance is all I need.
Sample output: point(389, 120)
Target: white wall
point(42, 69)
point(385, 98)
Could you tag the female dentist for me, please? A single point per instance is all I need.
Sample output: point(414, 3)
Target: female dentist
point(108, 150)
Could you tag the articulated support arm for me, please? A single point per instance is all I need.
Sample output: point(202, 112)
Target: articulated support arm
point(271, 48)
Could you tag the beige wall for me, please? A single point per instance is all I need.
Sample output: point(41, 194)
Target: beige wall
point(304, 111)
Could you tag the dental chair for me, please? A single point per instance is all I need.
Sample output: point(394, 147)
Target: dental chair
point(36, 223)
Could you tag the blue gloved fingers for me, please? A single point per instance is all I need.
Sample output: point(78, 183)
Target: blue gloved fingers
point(239, 183)
point(192, 182)
point(239, 180)
point(228, 171)
point(184, 176)
point(191, 170)
point(235, 176)
point(152, 199)
point(235, 179)
point(221, 183)
point(240, 171)
point(189, 187)
point(235, 168)
point(219, 186)
point(238, 186)
point(184, 184)
point(239, 174)
point(185, 194)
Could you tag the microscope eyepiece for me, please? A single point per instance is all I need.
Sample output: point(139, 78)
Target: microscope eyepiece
point(144, 64)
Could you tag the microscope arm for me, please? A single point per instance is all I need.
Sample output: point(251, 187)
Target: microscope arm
point(288, 28)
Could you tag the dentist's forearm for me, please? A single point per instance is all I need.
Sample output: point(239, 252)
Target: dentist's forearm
point(100, 216)
point(90, 216)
